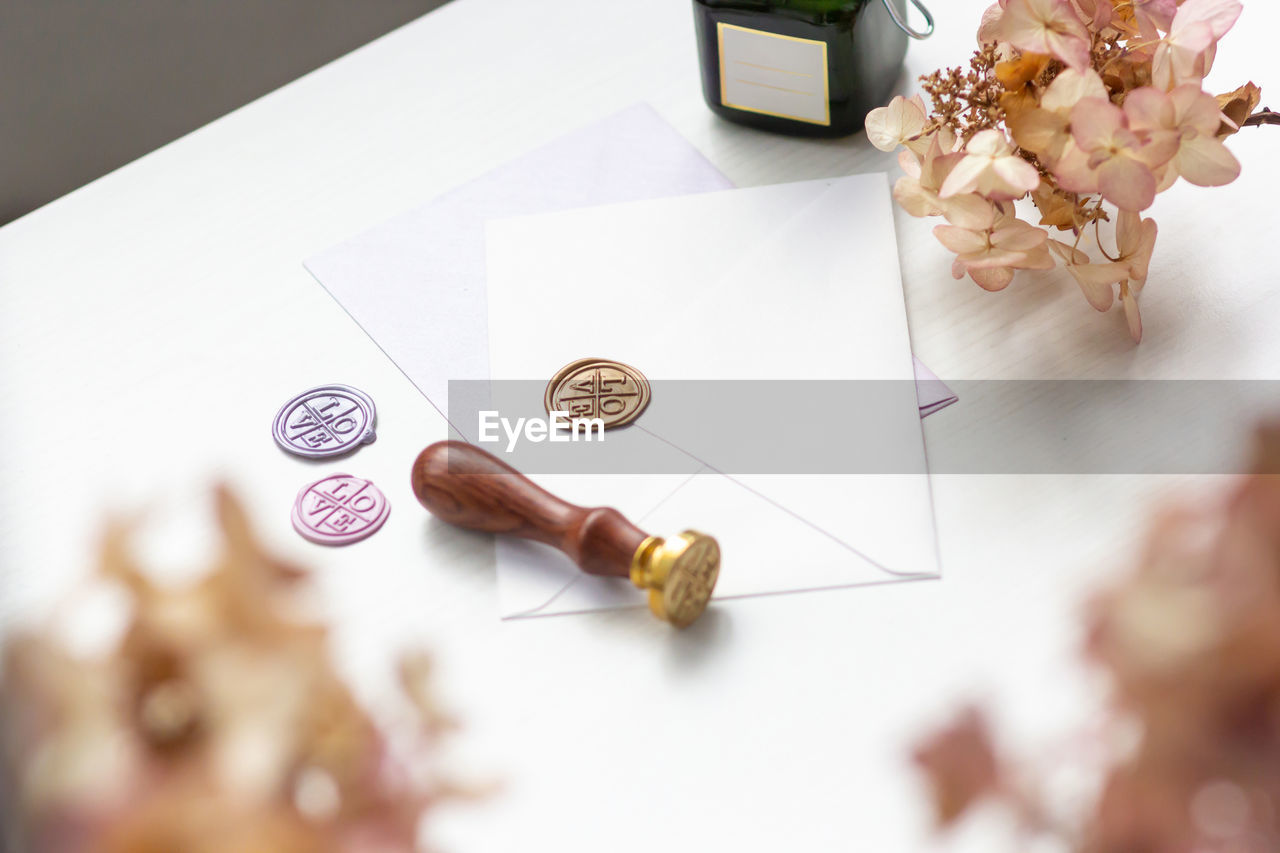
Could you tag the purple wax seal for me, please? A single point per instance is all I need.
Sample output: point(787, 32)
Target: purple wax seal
point(325, 421)
point(339, 510)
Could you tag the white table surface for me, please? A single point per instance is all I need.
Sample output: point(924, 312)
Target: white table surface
point(153, 321)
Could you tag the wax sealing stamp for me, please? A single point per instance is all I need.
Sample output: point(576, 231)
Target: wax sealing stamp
point(339, 510)
point(466, 486)
point(589, 388)
point(325, 421)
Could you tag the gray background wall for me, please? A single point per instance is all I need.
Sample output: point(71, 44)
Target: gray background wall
point(88, 85)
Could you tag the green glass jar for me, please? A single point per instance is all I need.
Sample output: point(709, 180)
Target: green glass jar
point(805, 67)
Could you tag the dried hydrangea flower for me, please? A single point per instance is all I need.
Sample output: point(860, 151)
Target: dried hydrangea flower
point(1185, 54)
point(1089, 107)
point(992, 169)
point(1190, 642)
point(961, 765)
point(990, 243)
point(217, 724)
point(1052, 27)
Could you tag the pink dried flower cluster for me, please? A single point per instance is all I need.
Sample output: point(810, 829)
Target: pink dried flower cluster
point(1190, 641)
point(215, 725)
point(1076, 105)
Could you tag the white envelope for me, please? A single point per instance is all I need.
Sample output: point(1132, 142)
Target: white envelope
point(797, 281)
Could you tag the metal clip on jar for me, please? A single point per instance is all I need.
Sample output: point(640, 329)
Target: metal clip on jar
point(804, 67)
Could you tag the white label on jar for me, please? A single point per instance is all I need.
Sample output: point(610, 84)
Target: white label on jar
point(775, 75)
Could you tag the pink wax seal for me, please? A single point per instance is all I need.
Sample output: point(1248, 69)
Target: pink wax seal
point(326, 421)
point(339, 510)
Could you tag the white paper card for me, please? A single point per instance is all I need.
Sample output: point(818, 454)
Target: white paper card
point(782, 282)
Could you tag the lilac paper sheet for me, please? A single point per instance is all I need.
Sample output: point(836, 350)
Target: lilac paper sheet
point(416, 283)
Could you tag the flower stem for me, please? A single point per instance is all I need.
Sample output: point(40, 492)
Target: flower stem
point(1261, 117)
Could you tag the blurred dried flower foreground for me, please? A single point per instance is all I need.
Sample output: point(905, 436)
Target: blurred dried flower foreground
point(1190, 640)
point(217, 724)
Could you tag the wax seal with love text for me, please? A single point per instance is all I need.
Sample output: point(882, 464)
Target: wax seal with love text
point(339, 510)
point(590, 388)
point(326, 421)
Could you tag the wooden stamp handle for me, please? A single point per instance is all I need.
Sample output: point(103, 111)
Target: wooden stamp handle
point(466, 486)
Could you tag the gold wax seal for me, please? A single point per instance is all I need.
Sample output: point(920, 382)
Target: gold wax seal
point(589, 388)
point(680, 575)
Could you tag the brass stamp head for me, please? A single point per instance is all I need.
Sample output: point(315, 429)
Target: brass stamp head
point(679, 573)
point(614, 392)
